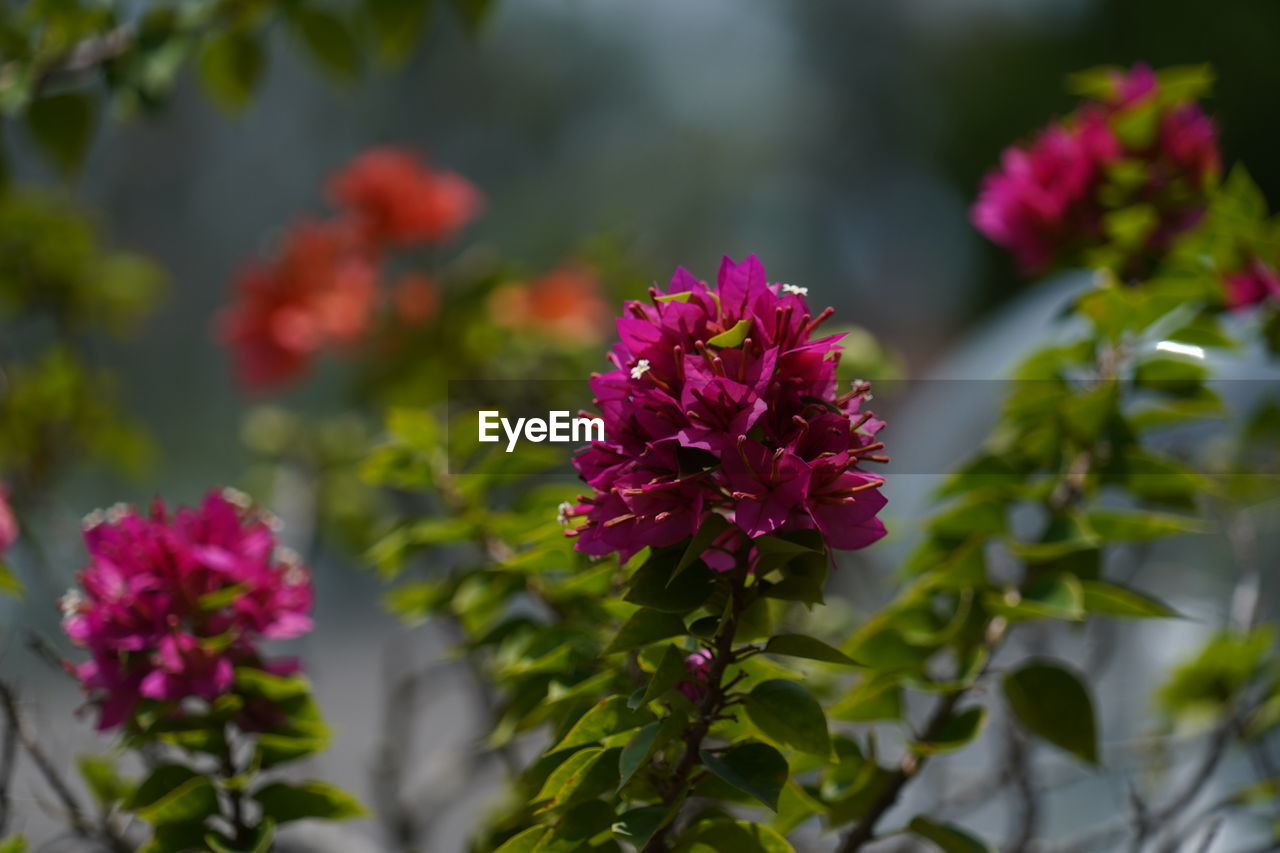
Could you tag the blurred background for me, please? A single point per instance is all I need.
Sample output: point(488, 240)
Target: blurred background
point(841, 141)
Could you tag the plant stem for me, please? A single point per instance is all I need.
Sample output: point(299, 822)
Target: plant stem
point(709, 707)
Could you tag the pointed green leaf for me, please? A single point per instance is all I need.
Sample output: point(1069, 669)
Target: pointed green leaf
point(959, 731)
point(62, 125)
point(787, 712)
point(607, 717)
point(947, 838)
point(284, 802)
point(732, 337)
point(1052, 702)
point(754, 768)
point(801, 646)
point(231, 66)
point(644, 627)
point(1110, 599)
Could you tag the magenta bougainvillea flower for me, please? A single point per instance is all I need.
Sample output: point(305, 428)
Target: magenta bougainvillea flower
point(722, 402)
point(1256, 282)
point(8, 522)
point(699, 666)
point(171, 603)
point(1138, 146)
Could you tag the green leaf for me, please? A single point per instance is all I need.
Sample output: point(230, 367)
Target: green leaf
point(525, 842)
point(398, 26)
point(473, 13)
point(754, 768)
point(804, 578)
point(13, 844)
point(103, 781)
point(583, 775)
point(947, 838)
point(637, 826)
point(1052, 702)
point(740, 836)
point(262, 840)
point(1136, 526)
point(231, 66)
point(10, 585)
point(328, 39)
point(285, 801)
point(644, 627)
point(607, 717)
point(708, 531)
point(732, 337)
point(653, 585)
point(1054, 596)
point(62, 125)
point(960, 730)
point(670, 671)
point(801, 646)
point(1102, 598)
point(787, 712)
point(637, 751)
point(173, 794)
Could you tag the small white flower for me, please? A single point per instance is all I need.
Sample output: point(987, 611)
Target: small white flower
point(237, 498)
point(641, 368)
point(70, 603)
point(796, 289)
point(562, 513)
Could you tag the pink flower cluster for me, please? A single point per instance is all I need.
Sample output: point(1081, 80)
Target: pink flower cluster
point(1047, 201)
point(1255, 283)
point(8, 522)
point(171, 603)
point(720, 401)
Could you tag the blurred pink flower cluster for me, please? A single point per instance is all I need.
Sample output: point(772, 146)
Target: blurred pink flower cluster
point(8, 522)
point(1137, 147)
point(321, 289)
point(722, 401)
point(171, 603)
point(1256, 282)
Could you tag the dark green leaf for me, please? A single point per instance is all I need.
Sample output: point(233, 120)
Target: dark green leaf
point(637, 751)
point(173, 794)
point(960, 730)
point(1052, 702)
point(671, 670)
point(1136, 526)
point(801, 646)
point(637, 826)
point(607, 717)
point(1111, 599)
point(284, 802)
point(787, 712)
point(753, 768)
point(328, 39)
point(645, 627)
point(398, 26)
point(62, 125)
point(739, 836)
point(474, 13)
point(947, 838)
point(231, 66)
point(654, 586)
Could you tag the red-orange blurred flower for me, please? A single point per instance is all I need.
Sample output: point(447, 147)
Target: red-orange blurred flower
point(564, 303)
point(399, 200)
point(320, 291)
point(415, 298)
